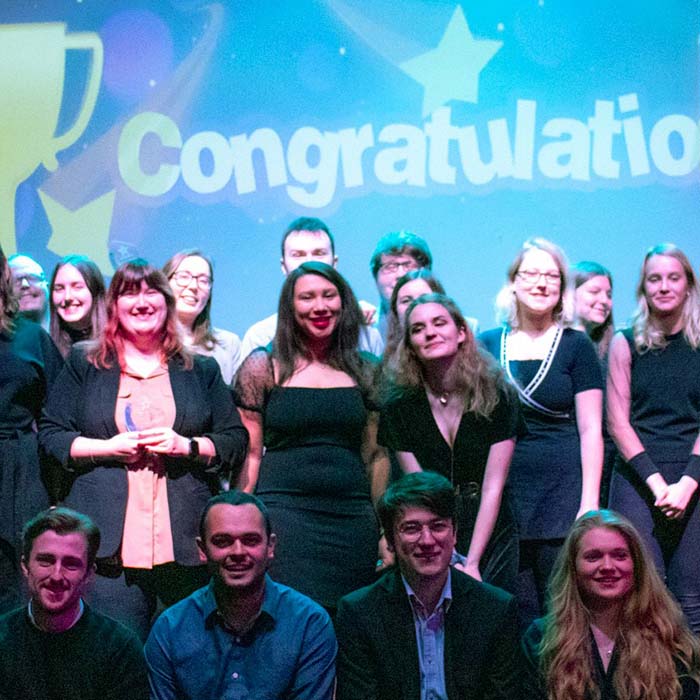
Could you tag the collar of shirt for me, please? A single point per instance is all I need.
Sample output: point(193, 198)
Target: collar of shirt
point(443, 604)
point(266, 616)
point(30, 613)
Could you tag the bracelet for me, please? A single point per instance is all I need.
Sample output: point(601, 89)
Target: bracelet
point(693, 467)
point(457, 558)
point(643, 465)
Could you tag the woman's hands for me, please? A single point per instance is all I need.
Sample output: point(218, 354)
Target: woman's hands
point(673, 500)
point(131, 446)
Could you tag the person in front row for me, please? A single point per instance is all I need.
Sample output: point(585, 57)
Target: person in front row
point(57, 647)
point(424, 630)
point(612, 630)
point(243, 635)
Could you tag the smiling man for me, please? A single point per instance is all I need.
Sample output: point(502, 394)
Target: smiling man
point(57, 647)
point(426, 631)
point(31, 288)
point(243, 635)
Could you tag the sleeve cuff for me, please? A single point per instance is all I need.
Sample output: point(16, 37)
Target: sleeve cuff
point(643, 465)
point(692, 469)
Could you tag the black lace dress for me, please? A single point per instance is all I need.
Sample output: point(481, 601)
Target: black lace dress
point(313, 481)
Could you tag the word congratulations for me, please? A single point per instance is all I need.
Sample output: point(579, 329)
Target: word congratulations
point(153, 156)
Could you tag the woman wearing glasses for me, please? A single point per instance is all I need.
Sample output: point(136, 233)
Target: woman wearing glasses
point(556, 467)
point(191, 276)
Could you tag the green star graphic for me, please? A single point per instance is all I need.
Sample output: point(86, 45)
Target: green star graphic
point(84, 230)
point(451, 70)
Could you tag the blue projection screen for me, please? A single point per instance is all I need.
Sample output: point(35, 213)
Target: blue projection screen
point(139, 127)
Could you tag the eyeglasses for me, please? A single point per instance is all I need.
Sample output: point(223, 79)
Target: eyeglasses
point(533, 276)
point(31, 280)
point(412, 531)
point(394, 266)
point(183, 279)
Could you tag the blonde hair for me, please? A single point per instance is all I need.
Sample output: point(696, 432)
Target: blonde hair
point(647, 336)
point(506, 302)
point(478, 377)
point(651, 639)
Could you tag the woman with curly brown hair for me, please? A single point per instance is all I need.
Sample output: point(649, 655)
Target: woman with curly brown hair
point(612, 631)
point(451, 411)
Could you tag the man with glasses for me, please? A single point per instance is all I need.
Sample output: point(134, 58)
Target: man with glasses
point(31, 288)
point(396, 254)
point(426, 631)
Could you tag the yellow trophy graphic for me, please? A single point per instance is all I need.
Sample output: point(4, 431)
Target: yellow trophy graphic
point(32, 75)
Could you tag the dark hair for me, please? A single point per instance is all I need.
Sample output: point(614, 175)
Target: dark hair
point(600, 335)
point(401, 243)
point(394, 329)
point(9, 304)
point(307, 223)
point(233, 498)
point(95, 283)
point(289, 343)
point(428, 490)
point(128, 278)
point(202, 334)
point(62, 521)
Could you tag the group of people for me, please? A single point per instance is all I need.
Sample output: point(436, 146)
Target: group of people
point(135, 411)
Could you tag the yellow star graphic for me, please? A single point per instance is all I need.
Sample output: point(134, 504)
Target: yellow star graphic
point(84, 230)
point(451, 70)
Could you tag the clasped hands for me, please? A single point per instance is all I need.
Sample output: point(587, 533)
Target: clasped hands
point(131, 446)
point(672, 499)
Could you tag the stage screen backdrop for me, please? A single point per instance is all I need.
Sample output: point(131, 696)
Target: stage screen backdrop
point(141, 128)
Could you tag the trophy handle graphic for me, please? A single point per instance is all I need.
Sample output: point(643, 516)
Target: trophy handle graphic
point(32, 78)
point(87, 41)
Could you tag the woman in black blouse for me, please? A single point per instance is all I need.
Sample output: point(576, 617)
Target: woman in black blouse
point(612, 631)
point(451, 412)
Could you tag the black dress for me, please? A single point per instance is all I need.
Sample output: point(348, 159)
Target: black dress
point(29, 363)
point(665, 415)
point(407, 425)
point(313, 481)
point(545, 474)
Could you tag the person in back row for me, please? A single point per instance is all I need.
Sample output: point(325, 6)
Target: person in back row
point(305, 240)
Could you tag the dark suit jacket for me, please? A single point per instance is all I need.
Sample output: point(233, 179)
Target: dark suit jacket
point(378, 653)
point(82, 403)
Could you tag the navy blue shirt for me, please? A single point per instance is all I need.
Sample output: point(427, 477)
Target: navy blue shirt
point(288, 653)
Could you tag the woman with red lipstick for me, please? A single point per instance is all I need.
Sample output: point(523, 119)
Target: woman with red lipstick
point(451, 411)
point(76, 302)
point(654, 418)
point(556, 467)
point(313, 457)
point(612, 631)
point(139, 429)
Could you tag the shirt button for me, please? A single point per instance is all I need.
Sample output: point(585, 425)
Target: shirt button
point(234, 675)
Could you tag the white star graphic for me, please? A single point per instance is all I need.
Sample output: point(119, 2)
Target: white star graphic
point(451, 70)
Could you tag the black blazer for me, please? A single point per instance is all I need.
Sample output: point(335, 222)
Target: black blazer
point(378, 652)
point(82, 403)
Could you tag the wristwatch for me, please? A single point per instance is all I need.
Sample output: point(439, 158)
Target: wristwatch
point(194, 449)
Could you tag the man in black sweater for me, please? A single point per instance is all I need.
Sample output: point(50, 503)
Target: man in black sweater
point(56, 647)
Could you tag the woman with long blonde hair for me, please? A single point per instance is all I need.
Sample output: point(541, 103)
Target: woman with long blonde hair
point(451, 411)
point(653, 398)
point(612, 631)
